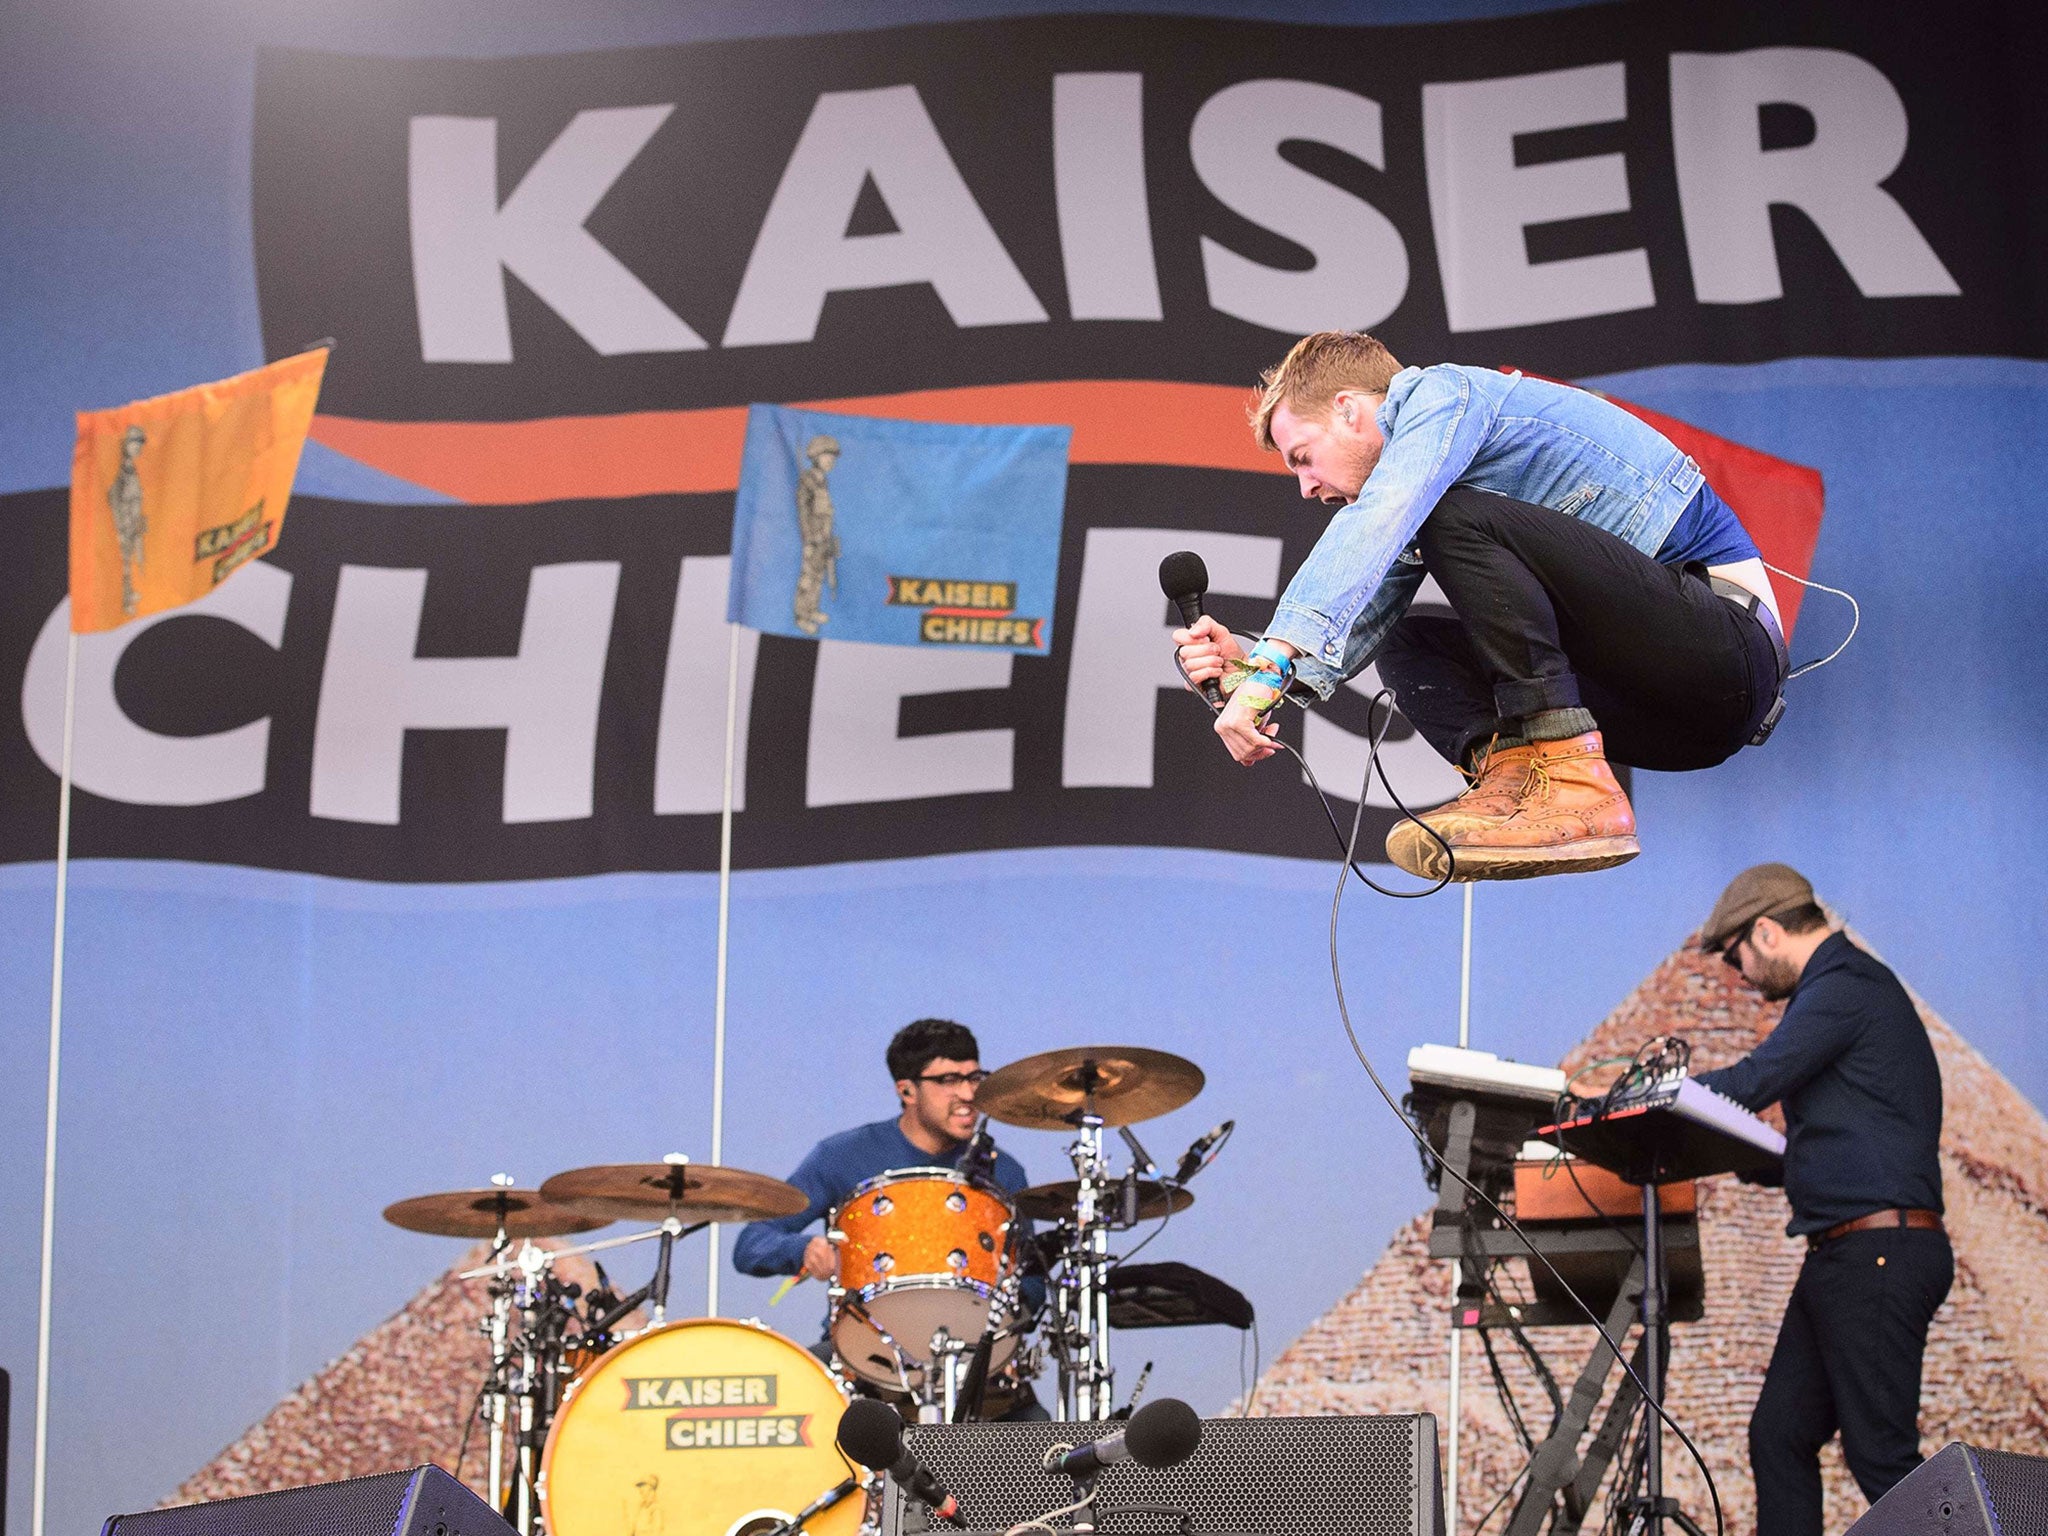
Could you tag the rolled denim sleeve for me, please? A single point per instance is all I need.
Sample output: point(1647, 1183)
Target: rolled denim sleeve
point(1436, 432)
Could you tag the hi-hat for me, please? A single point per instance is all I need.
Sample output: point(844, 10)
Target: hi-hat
point(687, 1191)
point(486, 1212)
point(1055, 1202)
point(1121, 1084)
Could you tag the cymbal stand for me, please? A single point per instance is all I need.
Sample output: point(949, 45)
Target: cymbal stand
point(1087, 1381)
point(528, 1294)
point(498, 1327)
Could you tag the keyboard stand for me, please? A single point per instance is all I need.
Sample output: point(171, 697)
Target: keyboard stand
point(1474, 1136)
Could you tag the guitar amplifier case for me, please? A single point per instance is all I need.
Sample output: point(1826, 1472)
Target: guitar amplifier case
point(421, 1501)
point(1249, 1477)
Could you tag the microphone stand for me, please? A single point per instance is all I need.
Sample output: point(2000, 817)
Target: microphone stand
point(655, 1290)
point(817, 1506)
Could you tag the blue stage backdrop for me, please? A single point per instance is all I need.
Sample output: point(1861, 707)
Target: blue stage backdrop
point(396, 857)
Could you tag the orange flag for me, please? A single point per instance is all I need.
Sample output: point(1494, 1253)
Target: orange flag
point(171, 496)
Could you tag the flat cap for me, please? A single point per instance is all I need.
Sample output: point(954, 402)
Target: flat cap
point(1762, 890)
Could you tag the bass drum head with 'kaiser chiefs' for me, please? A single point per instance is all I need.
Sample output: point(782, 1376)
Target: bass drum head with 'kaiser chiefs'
point(698, 1428)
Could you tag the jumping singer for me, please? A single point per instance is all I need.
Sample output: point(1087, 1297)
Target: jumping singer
point(1609, 607)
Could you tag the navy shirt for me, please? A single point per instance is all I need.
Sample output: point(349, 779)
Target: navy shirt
point(828, 1174)
point(1707, 531)
point(1852, 1065)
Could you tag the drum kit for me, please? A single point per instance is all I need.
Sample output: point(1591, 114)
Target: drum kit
point(935, 1306)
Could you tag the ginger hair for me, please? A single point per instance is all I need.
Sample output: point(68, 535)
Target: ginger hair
point(1315, 368)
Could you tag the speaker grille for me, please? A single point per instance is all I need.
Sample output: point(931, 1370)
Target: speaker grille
point(1273, 1477)
point(2018, 1486)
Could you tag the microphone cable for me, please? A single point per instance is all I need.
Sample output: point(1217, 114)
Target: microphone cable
point(1349, 845)
point(1372, 764)
point(1351, 1034)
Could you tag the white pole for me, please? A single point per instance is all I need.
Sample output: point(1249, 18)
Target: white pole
point(732, 706)
point(1457, 1266)
point(43, 1298)
point(1465, 977)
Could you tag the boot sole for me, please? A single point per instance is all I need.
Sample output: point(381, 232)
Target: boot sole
point(1573, 858)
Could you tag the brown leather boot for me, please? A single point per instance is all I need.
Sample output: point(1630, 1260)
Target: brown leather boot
point(1573, 816)
point(1495, 795)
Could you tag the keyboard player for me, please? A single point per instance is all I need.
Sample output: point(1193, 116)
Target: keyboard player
point(1851, 1064)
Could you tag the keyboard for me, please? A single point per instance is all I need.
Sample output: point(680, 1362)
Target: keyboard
point(1481, 1074)
point(1671, 1127)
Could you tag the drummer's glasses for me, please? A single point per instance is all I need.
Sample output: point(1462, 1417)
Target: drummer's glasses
point(955, 1079)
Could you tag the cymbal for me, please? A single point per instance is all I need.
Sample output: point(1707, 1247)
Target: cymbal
point(1122, 1083)
point(686, 1191)
point(480, 1212)
point(1052, 1202)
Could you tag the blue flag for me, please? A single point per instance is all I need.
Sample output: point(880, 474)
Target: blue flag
point(898, 532)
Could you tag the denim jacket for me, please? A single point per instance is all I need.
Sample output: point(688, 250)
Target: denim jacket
point(1550, 444)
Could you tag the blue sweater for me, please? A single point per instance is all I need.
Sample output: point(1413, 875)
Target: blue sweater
point(1852, 1065)
point(828, 1174)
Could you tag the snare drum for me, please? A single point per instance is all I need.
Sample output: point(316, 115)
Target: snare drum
point(697, 1428)
point(920, 1249)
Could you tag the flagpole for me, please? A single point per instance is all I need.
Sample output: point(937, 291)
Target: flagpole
point(732, 704)
point(1457, 1268)
point(43, 1298)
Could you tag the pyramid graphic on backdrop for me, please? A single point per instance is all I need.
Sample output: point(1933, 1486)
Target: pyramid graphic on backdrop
point(1384, 1348)
point(403, 1394)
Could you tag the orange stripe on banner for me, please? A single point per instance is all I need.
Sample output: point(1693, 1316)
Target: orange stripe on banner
point(652, 453)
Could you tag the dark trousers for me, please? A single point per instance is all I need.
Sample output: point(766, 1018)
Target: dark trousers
point(1553, 613)
point(1848, 1358)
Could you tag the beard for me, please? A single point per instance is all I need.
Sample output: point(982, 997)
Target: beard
point(1776, 979)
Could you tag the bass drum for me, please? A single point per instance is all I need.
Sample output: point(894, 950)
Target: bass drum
point(701, 1428)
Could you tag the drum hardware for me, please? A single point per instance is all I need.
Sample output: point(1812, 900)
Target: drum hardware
point(545, 1330)
point(1090, 1089)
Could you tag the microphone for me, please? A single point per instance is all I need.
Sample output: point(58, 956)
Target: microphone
point(1184, 578)
point(978, 1156)
point(871, 1433)
point(1163, 1433)
point(1191, 1160)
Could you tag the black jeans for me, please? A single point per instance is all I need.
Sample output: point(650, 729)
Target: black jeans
point(1553, 613)
point(1848, 1358)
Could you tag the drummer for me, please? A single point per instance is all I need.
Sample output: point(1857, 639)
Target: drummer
point(937, 1066)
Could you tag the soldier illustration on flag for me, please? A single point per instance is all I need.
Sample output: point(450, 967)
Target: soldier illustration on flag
point(124, 500)
point(820, 567)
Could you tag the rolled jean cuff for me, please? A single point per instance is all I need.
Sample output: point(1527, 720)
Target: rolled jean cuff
point(1519, 697)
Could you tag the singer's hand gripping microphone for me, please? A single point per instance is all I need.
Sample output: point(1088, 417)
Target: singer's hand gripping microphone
point(1184, 578)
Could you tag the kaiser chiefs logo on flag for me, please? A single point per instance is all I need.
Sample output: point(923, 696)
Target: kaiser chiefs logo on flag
point(171, 496)
point(898, 532)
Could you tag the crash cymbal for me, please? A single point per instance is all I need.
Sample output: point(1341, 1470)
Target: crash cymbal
point(481, 1212)
point(686, 1191)
point(1055, 1202)
point(1123, 1083)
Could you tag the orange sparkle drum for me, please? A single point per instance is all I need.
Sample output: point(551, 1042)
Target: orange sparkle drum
point(697, 1428)
point(920, 1250)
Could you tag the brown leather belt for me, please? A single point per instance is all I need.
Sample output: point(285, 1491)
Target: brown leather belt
point(1925, 1221)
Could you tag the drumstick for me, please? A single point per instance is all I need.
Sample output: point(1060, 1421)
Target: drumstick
point(784, 1289)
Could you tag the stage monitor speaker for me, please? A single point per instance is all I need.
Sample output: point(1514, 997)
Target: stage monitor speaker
point(422, 1501)
point(1249, 1477)
point(1964, 1490)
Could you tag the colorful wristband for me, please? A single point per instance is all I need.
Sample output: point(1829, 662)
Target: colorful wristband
point(1270, 666)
